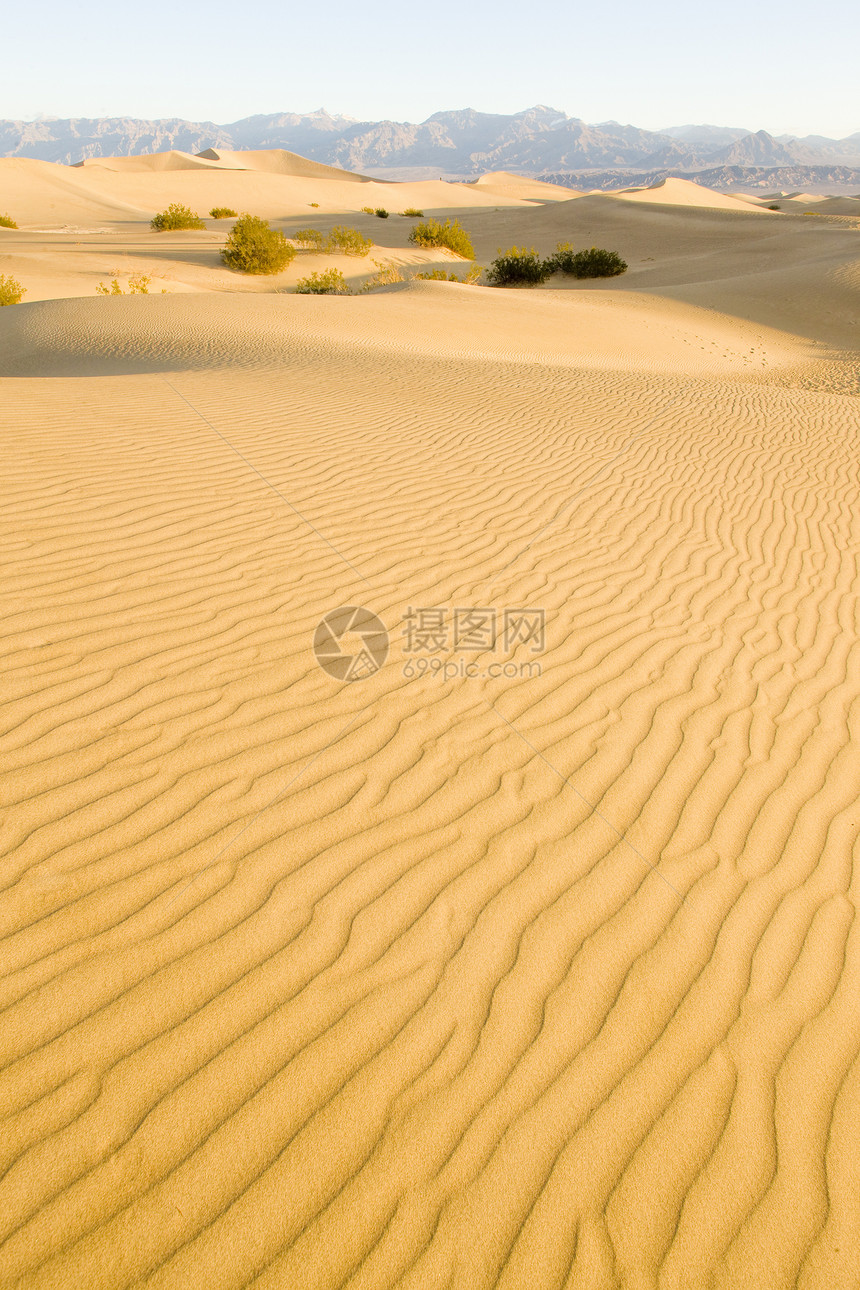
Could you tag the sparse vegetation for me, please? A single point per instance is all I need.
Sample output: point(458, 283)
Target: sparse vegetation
point(330, 282)
point(6, 221)
point(594, 263)
point(348, 241)
point(386, 276)
point(253, 246)
point(774, 206)
point(367, 210)
point(439, 275)
point(450, 234)
point(175, 217)
point(313, 204)
point(138, 285)
point(11, 290)
point(309, 239)
point(223, 212)
point(412, 213)
point(381, 212)
point(519, 267)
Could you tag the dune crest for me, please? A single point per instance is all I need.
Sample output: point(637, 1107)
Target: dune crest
point(682, 192)
point(280, 162)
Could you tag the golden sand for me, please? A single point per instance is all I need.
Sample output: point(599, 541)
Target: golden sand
point(457, 979)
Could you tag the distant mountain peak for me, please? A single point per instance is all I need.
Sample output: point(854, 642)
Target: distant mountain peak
point(459, 142)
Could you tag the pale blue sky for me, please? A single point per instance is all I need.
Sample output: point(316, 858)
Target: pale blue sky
point(786, 67)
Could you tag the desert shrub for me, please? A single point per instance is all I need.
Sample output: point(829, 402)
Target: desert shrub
point(452, 235)
point(223, 212)
point(519, 267)
point(330, 282)
point(11, 290)
point(309, 239)
point(381, 212)
point(138, 285)
point(313, 203)
point(367, 210)
point(385, 276)
point(6, 221)
point(773, 207)
point(253, 246)
point(176, 216)
point(413, 213)
point(348, 241)
point(595, 263)
point(439, 275)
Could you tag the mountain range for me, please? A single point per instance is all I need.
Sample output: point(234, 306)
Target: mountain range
point(541, 141)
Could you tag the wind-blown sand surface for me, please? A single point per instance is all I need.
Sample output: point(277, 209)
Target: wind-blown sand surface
point(546, 978)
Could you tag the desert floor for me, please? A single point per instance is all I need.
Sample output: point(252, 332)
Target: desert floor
point(516, 962)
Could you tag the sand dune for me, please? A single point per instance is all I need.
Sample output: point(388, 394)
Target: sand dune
point(275, 185)
point(839, 206)
point(280, 162)
point(682, 192)
point(788, 275)
point(503, 183)
point(149, 163)
point(444, 321)
point(538, 970)
point(41, 192)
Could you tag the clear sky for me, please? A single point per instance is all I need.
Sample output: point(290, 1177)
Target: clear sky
point(786, 67)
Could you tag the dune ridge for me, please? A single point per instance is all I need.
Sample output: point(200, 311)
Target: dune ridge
point(683, 192)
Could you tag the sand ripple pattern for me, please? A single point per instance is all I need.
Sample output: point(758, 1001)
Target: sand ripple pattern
point(312, 985)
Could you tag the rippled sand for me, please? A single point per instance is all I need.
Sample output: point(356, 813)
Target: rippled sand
point(454, 979)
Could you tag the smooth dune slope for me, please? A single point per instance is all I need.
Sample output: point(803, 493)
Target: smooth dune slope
point(682, 192)
point(40, 193)
point(150, 163)
point(537, 968)
point(503, 183)
point(448, 321)
point(281, 162)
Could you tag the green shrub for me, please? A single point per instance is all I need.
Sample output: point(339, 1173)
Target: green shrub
point(452, 235)
point(329, 283)
point(11, 291)
point(309, 239)
point(385, 276)
point(439, 275)
point(773, 207)
point(176, 216)
point(595, 263)
point(519, 267)
point(138, 285)
point(413, 213)
point(381, 212)
point(348, 241)
point(6, 221)
point(253, 246)
point(223, 212)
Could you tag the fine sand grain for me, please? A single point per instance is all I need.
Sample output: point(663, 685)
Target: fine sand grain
point(538, 971)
